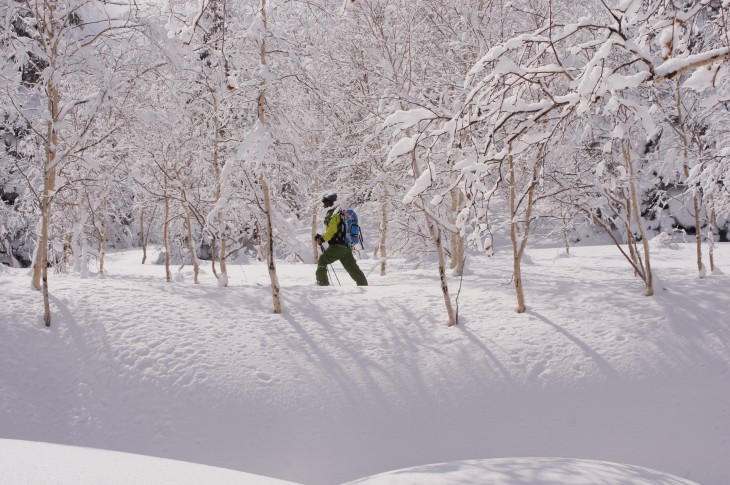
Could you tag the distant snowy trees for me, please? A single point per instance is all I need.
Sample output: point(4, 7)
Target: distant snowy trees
point(209, 130)
point(592, 77)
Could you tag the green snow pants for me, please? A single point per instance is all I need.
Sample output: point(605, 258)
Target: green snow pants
point(343, 254)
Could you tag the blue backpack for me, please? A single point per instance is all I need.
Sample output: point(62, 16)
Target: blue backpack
point(351, 229)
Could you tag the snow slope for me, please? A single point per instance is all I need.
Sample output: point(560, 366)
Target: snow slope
point(354, 381)
point(32, 463)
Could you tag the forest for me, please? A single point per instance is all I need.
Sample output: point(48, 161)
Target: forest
point(206, 132)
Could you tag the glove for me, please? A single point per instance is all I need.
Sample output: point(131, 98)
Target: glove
point(319, 239)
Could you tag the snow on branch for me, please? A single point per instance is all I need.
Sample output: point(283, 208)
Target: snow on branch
point(675, 67)
point(423, 183)
point(525, 74)
point(403, 146)
point(407, 119)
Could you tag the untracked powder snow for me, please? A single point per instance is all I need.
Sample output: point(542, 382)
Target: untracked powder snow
point(353, 381)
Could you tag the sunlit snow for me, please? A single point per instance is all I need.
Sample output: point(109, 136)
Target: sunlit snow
point(354, 381)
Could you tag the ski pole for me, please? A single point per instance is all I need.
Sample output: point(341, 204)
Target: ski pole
point(333, 272)
point(330, 265)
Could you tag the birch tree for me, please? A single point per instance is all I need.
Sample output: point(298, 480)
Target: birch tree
point(65, 37)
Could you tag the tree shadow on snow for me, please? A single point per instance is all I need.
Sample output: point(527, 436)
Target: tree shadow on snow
point(600, 362)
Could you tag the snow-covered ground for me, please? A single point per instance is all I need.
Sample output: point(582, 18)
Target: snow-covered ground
point(33, 463)
point(354, 381)
point(524, 471)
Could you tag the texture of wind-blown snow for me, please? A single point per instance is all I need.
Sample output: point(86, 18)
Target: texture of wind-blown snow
point(353, 381)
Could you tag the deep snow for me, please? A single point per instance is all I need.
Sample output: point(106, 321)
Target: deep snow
point(524, 471)
point(32, 463)
point(354, 381)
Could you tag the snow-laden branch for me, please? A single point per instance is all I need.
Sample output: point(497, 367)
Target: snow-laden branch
point(407, 119)
point(402, 146)
point(422, 184)
point(677, 66)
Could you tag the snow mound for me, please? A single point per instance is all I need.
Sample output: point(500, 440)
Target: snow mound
point(664, 241)
point(525, 471)
point(36, 463)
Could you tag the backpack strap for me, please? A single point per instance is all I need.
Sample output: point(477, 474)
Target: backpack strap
point(342, 229)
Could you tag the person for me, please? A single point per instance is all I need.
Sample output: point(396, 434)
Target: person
point(337, 249)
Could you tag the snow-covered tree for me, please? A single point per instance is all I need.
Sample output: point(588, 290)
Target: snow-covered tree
point(64, 101)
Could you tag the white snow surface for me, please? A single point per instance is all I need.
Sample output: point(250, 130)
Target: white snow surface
point(524, 471)
point(31, 463)
point(354, 381)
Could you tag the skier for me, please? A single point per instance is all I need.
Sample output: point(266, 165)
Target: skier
point(337, 249)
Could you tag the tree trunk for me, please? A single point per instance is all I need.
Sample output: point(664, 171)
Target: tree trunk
point(270, 261)
point(213, 253)
point(517, 276)
point(637, 215)
point(516, 256)
point(103, 238)
point(519, 241)
point(315, 209)
point(457, 240)
point(40, 268)
point(695, 196)
point(166, 232)
point(46, 298)
point(9, 250)
point(191, 242)
point(711, 238)
point(223, 280)
point(142, 236)
point(453, 242)
point(459, 270)
point(630, 239)
point(435, 234)
point(382, 247)
point(634, 252)
point(698, 228)
point(566, 232)
point(84, 265)
point(67, 252)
